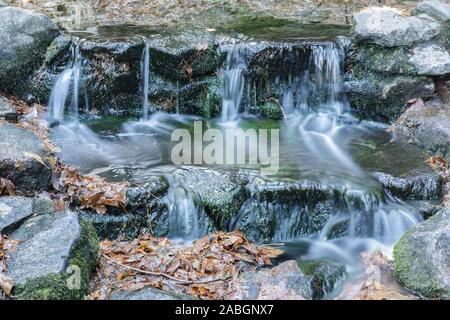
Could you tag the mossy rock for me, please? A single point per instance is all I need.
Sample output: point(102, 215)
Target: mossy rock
point(272, 110)
point(55, 258)
point(421, 257)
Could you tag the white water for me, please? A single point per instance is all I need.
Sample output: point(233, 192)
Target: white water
point(234, 81)
point(66, 91)
point(145, 78)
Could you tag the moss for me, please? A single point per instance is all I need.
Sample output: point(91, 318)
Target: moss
point(272, 110)
point(55, 286)
point(404, 264)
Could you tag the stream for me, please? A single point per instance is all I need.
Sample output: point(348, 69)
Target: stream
point(322, 146)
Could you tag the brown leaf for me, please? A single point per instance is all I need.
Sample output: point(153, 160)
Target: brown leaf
point(6, 284)
point(8, 185)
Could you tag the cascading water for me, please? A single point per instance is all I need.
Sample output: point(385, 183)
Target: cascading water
point(66, 91)
point(234, 81)
point(145, 76)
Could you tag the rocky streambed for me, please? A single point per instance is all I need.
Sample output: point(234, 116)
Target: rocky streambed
point(363, 117)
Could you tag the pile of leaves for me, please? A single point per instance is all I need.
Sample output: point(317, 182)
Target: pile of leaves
point(6, 283)
point(90, 191)
point(203, 269)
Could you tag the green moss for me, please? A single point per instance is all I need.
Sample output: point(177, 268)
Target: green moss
point(55, 286)
point(272, 110)
point(404, 264)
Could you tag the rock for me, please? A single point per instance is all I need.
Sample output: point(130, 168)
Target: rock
point(184, 56)
point(7, 111)
point(387, 27)
point(422, 257)
point(272, 110)
point(24, 38)
point(281, 210)
point(325, 276)
point(20, 154)
point(283, 282)
point(142, 203)
point(221, 192)
point(148, 293)
point(4, 3)
point(437, 9)
point(430, 60)
point(428, 125)
point(54, 259)
point(13, 211)
point(383, 98)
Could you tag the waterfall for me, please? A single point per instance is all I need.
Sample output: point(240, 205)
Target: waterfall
point(185, 218)
point(234, 81)
point(66, 91)
point(145, 75)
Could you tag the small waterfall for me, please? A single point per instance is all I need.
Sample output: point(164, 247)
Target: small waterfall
point(145, 77)
point(233, 83)
point(186, 220)
point(66, 91)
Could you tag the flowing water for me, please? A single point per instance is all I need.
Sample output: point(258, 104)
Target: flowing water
point(321, 143)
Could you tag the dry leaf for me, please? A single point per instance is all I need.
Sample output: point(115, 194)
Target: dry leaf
point(6, 284)
point(8, 185)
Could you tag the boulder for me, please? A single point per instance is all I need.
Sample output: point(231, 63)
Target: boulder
point(220, 192)
point(283, 282)
point(422, 257)
point(430, 60)
point(383, 97)
point(387, 27)
point(4, 3)
point(325, 276)
point(142, 203)
point(148, 293)
point(428, 125)
point(437, 9)
point(22, 159)
point(24, 38)
point(54, 258)
point(7, 111)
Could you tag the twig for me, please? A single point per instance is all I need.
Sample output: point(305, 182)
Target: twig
point(161, 274)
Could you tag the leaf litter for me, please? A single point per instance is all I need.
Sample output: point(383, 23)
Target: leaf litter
point(205, 269)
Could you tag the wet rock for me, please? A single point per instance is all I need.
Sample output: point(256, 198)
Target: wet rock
point(284, 209)
point(431, 60)
point(325, 276)
point(283, 282)
point(272, 110)
point(54, 259)
point(185, 56)
point(437, 9)
point(422, 257)
point(382, 97)
point(24, 38)
point(18, 151)
point(148, 293)
point(387, 27)
point(221, 192)
point(7, 111)
point(142, 203)
point(424, 186)
point(428, 125)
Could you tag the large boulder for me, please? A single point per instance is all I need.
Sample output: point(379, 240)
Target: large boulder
point(430, 60)
point(387, 27)
point(428, 125)
point(437, 9)
point(54, 259)
point(24, 37)
point(23, 159)
point(422, 257)
point(283, 282)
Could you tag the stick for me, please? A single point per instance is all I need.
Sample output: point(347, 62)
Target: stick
point(161, 274)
